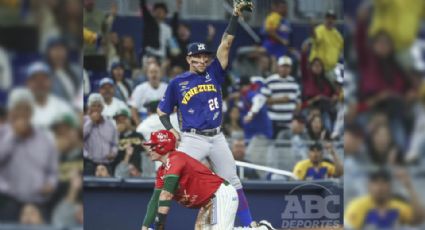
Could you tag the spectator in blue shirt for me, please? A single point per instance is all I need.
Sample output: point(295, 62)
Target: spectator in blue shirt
point(254, 110)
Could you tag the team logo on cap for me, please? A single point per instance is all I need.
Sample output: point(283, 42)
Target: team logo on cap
point(201, 46)
point(162, 136)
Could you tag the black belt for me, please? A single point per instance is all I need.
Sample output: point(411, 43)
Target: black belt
point(205, 132)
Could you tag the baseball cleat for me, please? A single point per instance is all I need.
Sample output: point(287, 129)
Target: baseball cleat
point(266, 224)
point(253, 224)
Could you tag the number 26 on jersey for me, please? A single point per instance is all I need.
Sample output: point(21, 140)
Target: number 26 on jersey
point(213, 102)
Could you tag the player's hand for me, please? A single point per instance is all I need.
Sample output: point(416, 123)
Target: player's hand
point(329, 147)
point(177, 135)
point(247, 118)
point(95, 116)
point(403, 176)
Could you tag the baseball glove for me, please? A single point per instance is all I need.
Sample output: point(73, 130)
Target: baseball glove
point(244, 5)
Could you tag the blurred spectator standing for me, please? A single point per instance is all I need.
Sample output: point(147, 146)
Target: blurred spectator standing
point(284, 96)
point(68, 212)
point(129, 139)
point(315, 167)
point(318, 91)
point(151, 90)
point(67, 133)
point(385, 35)
point(47, 106)
point(380, 208)
point(182, 35)
point(238, 150)
point(6, 70)
point(356, 161)
point(93, 19)
point(156, 32)
point(254, 110)
point(417, 142)
point(387, 85)
point(257, 126)
point(127, 54)
point(277, 30)
point(327, 44)
point(21, 179)
point(111, 104)
point(100, 137)
point(67, 76)
point(123, 86)
point(41, 44)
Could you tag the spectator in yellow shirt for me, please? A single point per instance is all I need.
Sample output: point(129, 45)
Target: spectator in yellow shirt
point(380, 209)
point(327, 42)
point(277, 30)
point(315, 168)
point(401, 19)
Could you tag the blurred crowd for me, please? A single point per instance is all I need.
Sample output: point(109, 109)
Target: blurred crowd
point(383, 136)
point(41, 112)
point(283, 103)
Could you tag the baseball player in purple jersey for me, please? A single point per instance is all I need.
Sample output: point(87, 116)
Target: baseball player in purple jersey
point(197, 95)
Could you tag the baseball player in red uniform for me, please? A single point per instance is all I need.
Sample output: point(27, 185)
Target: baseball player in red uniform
point(190, 183)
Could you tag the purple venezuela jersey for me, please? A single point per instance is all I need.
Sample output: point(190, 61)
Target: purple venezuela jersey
point(197, 97)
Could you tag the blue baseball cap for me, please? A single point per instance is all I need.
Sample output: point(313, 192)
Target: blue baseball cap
point(197, 48)
point(116, 64)
point(37, 67)
point(105, 81)
point(55, 41)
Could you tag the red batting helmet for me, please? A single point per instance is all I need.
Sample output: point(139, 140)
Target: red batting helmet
point(162, 141)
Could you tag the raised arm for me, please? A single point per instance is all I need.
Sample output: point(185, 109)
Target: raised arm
point(339, 168)
point(147, 16)
point(229, 36)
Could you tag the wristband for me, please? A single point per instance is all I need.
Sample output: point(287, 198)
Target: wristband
point(160, 220)
point(166, 203)
point(165, 120)
point(233, 24)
